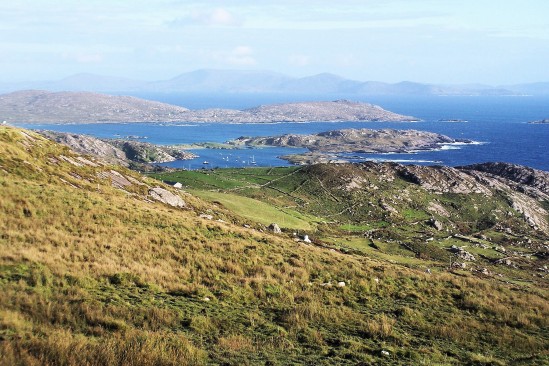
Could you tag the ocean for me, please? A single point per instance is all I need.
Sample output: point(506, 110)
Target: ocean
point(499, 125)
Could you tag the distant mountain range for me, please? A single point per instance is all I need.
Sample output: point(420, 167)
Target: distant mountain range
point(237, 81)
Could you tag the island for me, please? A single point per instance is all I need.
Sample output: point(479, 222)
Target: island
point(540, 122)
point(38, 106)
point(326, 146)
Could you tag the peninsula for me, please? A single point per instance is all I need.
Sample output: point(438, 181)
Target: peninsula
point(36, 106)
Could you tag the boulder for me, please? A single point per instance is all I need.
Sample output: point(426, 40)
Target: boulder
point(275, 228)
point(436, 224)
point(167, 197)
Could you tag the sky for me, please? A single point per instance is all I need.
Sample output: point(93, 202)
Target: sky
point(493, 42)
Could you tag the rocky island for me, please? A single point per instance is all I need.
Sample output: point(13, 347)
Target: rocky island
point(36, 106)
point(541, 121)
point(325, 146)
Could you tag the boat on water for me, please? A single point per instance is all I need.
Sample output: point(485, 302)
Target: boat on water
point(453, 120)
point(206, 162)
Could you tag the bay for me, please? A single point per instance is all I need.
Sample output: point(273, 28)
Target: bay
point(500, 124)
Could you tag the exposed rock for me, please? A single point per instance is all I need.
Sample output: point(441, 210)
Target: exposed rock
point(354, 140)
point(436, 224)
point(119, 151)
point(517, 173)
point(506, 262)
point(89, 145)
point(167, 197)
point(118, 180)
point(442, 179)
point(463, 254)
point(206, 216)
point(275, 228)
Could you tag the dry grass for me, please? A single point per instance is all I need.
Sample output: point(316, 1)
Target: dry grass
point(93, 275)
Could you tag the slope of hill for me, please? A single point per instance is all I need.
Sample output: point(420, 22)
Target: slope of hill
point(119, 151)
point(94, 269)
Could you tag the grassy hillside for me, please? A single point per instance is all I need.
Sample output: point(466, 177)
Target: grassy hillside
point(95, 272)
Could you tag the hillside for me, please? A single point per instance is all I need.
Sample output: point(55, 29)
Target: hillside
point(99, 265)
point(82, 107)
point(119, 151)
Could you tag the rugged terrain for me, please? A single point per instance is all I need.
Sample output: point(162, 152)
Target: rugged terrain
point(119, 151)
point(34, 106)
point(326, 145)
point(389, 264)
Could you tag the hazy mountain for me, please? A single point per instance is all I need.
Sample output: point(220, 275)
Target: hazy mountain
point(80, 82)
point(241, 81)
point(531, 89)
point(321, 83)
point(227, 81)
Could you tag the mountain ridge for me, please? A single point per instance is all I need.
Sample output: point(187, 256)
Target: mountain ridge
point(257, 81)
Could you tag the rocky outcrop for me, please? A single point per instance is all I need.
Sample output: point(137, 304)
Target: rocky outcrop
point(275, 228)
point(144, 152)
point(355, 140)
point(167, 197)
point(525, 176)
point(119, 151)
point(442, 179)
point(89, 145)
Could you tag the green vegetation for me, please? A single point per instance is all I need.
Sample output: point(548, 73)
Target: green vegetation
point(94, 274)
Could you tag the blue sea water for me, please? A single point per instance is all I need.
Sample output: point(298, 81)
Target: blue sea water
point(498, 123)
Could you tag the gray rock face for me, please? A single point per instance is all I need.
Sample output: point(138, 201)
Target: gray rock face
point(462, 254)
point(275, 228)
point(516, 173)
point(436, 224)
point(89, 145)
point(167, 197)
point(119, 151)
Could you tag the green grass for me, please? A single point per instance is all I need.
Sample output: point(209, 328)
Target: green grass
point(257, 211)
point(93, 275)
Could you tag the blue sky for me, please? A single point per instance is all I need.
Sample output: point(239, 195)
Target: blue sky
point(434, 41)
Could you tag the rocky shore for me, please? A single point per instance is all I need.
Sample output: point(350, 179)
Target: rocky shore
point(325, 146)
